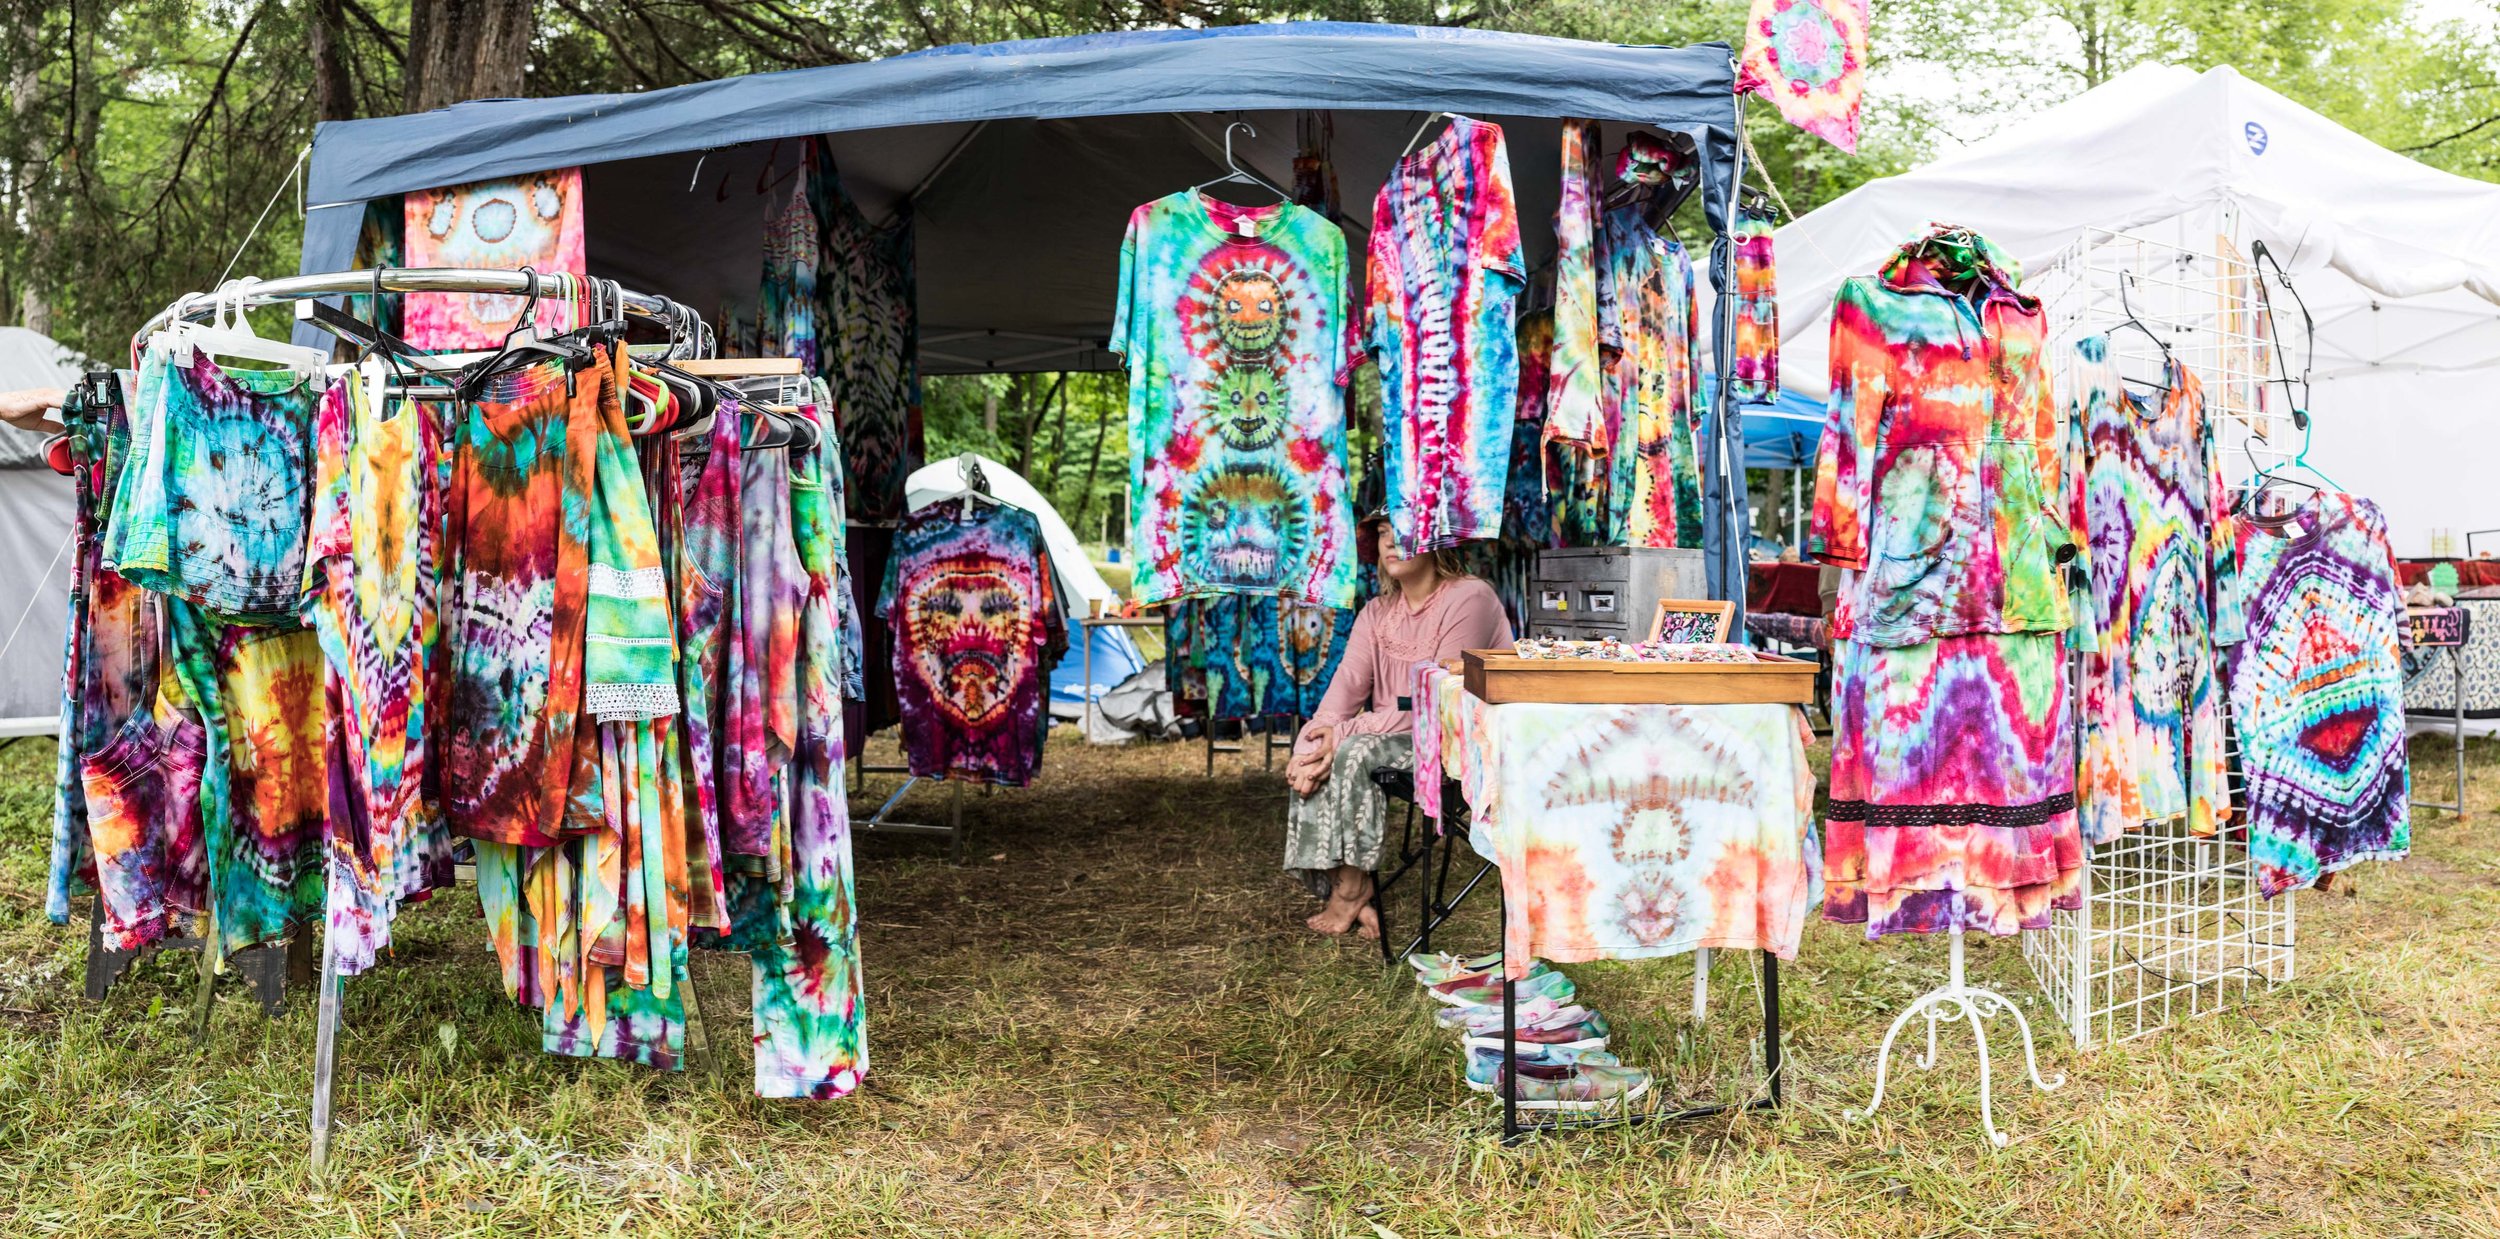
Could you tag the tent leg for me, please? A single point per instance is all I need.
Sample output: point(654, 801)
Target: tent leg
point(325, 1061)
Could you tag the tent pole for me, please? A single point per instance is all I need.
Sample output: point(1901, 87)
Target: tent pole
point(1728, 574)
point(956, 152)
point(1797, 510)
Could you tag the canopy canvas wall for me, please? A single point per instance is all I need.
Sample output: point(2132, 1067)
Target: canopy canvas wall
point(2397, 263)
point(36, 506)
point(1019, 163)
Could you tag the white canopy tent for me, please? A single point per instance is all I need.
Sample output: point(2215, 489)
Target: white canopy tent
point(36, 506)
point(2398, 263)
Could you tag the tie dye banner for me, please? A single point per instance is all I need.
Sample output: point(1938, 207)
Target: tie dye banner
point(1808, 57)
point(532, 221)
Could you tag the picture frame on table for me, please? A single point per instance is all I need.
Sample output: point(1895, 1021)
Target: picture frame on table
point(1685, 621)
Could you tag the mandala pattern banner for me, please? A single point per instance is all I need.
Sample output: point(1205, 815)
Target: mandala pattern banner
point(1808, 57)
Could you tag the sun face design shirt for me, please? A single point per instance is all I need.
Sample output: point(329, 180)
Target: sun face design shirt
point(1233, 322)
point(976, 627)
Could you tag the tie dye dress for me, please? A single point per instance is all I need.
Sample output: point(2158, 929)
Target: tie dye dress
point(375, 574)
point(518, 536)
point(1646, 320)
point(2308, 626)
point(1445, 273)
point(1939, 491)
point(2152, 708)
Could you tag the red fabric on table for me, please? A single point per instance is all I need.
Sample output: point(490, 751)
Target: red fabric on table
point(2470, 572)
point(1786, 589)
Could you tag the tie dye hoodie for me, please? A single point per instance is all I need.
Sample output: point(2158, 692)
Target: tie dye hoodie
point(1939, 480)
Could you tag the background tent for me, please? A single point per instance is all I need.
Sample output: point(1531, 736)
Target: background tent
point(2398, 263)
point(36, 505)
point(1116, 656)
point(1019, 163)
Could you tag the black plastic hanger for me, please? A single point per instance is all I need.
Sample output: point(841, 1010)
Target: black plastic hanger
point(2167, 358)
point(512, 350)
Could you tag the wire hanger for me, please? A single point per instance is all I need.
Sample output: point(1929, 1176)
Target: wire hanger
point(1233, 169)
point(2295, 390)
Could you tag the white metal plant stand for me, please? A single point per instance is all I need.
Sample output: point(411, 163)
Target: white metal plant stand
point(1959, 1001)
point(2172, 925)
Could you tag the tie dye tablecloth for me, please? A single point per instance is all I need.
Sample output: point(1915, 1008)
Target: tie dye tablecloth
point(1630, 832)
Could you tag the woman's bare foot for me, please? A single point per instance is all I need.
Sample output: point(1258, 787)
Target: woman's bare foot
point(1334, 919)
point(1367, 922)
point(1349, 900)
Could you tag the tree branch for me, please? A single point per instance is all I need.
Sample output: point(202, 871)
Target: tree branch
point(382, 33)
point(199, 120)
point(2468, 131)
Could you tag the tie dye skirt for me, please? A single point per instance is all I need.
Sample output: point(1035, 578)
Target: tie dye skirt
point(1953, 786)
point(513, 621)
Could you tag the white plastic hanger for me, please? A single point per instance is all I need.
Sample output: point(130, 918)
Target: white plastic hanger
point(229, 333)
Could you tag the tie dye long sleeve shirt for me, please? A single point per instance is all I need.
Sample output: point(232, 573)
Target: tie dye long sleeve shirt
point(1939, 482)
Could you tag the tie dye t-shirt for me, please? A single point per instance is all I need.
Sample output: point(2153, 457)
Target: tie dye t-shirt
point(1233, 322)
point(1444, 278)
point(976, 625)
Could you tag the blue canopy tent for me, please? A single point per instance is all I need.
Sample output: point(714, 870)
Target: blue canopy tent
point(1018, 163)
point(1784, 434)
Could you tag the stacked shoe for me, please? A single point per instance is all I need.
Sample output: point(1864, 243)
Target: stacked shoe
point(1562, 1060)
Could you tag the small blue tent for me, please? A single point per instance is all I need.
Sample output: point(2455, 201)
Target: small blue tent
point(1018, 163)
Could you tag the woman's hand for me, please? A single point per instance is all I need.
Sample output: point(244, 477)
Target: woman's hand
point(31, 409)
point(1312, 759)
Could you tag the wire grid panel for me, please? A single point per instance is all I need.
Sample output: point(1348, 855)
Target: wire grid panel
point(2172, 926)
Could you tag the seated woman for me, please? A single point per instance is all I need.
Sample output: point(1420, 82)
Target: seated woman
point(1335, 823)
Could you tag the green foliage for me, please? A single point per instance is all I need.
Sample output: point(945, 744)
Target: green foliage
point(1069, 433)
point(145, 137)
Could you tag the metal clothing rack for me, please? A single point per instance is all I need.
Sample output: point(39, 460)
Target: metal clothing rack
point(1269, 739)
point(684, 327)
point(559, 285)
point(882, 821)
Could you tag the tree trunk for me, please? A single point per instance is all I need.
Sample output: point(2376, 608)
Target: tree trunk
point(1033, 424)
point(1085, 497)
point(1058, 440)
point(334, 92)
point(467, 49)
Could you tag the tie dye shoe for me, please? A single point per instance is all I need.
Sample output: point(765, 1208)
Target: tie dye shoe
point(1468, 1021)
point(1481, 966)
point(1442, 966)
point(1486, 990)
point(1576, 1086)
point(1570, 1029)
point(1484, 1066)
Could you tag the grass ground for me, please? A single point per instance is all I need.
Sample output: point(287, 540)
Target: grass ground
point(1110, 1021)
